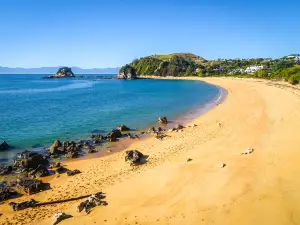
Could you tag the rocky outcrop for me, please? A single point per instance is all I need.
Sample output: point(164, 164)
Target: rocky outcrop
point(162, 120)
point(29, 160)
point(4, 170)
point(122, 128)
point(6, 192)
point(29, 186)
point(127, 73)
point(64, 72)
point(4, 146)
point(114, 135)
point(70, 149)
point(40, 171)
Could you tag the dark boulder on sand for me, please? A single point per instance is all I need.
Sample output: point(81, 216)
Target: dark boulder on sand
point(73, 172)
point(6, 192)
point(114, 135)
point(4, 146)
point(29, 186)
point(162, 120)
point(179, 127)
point(40, 171)
point(134, 156)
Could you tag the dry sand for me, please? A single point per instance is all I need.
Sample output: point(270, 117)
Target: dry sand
point(259, 188)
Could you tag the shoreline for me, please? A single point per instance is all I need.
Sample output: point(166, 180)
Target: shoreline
point(255, 114)
point(124, 142)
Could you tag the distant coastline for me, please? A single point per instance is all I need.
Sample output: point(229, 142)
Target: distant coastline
point(53, 70)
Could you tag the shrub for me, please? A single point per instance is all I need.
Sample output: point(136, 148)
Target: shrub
point(294, 79)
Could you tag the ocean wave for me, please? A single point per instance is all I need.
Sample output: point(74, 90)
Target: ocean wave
point(67, 87)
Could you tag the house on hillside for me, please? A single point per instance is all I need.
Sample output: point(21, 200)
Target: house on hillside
point(253, 69)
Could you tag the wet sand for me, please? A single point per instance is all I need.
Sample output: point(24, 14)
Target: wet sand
point(259, 188)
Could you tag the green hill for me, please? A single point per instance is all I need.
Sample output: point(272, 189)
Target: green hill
point(177, 64)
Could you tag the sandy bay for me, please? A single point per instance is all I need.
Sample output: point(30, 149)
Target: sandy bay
point(250, 189)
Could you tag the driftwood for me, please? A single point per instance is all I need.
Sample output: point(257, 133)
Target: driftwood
point(27, 204)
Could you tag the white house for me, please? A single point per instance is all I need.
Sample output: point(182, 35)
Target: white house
point(252, 69)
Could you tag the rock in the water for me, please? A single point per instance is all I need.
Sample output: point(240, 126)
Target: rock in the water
point(4, 170)
point(4, 146)
point(162, 120)
point(114, 135)
point(29, 186)
point(91, 202)
point(64, 72)
point(134, 156)
point(60, 216)
point(122, 128)
point(23, 205)
point(127, 72)
point(40, 171)
point(29, 160)
point(71, 149)
point(54, 149)
point(73, 172)
point(97, 137)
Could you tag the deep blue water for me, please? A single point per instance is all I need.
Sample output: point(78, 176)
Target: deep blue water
point(36, 112)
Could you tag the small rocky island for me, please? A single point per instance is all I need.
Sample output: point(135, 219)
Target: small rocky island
point(64, 72)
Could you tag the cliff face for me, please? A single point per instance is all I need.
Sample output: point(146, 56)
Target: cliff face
point(127, 72)
point(180, 64)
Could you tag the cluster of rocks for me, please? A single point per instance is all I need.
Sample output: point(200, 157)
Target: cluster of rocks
point(22, 185)
point(111, 136)
point(70, 149)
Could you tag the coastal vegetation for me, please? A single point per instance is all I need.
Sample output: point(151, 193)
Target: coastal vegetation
point(187, 64)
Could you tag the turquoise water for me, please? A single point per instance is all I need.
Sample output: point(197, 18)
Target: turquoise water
point(35, 112)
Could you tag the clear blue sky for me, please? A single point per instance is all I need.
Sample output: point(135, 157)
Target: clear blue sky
point(110, 33)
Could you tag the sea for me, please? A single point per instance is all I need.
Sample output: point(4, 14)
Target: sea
point(34, 111)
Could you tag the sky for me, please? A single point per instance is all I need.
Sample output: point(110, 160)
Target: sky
point(111, 33)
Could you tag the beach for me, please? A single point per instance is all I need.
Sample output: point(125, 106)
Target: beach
point(218, 185)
